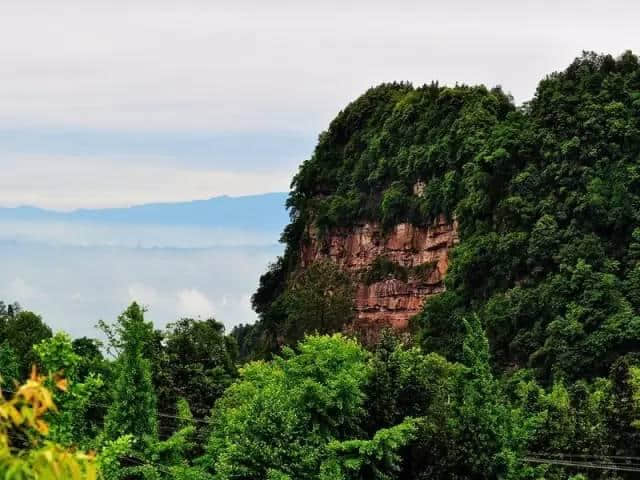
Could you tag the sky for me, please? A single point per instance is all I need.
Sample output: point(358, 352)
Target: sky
point(73, 287)
point(119, 103)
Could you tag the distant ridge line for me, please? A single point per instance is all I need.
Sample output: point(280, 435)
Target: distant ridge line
point(260, 211)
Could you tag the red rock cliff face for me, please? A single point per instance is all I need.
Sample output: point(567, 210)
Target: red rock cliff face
point(389, 302)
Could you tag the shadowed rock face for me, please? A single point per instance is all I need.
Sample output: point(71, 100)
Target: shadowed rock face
point(388, 302)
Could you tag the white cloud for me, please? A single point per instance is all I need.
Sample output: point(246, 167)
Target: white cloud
point(74, 287)
point(70, 182)
point(278, 64)
point(193, 303)
point(230, 66)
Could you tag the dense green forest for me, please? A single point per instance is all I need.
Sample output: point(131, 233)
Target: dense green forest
point(526, 367)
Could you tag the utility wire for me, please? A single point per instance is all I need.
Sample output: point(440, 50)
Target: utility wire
point(581, 455)
point(159, 414)
point(593, 465)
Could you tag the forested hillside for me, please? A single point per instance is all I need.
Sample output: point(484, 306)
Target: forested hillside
point(526, 367)
point(545, 197)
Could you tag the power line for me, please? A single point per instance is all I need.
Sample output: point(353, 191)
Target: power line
point(140, 462)
point(159, 414)
point(582, 455)
point(593, 465)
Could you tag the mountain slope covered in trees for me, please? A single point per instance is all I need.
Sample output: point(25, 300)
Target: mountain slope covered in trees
point(546, 197)
point(526, 368)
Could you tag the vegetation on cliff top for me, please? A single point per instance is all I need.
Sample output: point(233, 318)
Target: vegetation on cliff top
point(546, 196)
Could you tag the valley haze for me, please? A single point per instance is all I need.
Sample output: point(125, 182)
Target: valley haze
point(186, 259)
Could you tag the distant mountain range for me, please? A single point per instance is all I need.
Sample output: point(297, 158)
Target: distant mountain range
point(254, 212)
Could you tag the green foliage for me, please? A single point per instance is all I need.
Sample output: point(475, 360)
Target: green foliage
point(407, 383)
point(320, 300)
point(388, 140)
point(467, 426)
point(9, 365)
point(246, 340)
point(91, 358)
point(196, 364)
point(383, 268)
point(280, 418)
point(375, 459)
point(485, 435)
point(395, 204)
point(22, 330)
point(56, 355)
point(133, 411)
point(109, 460)
point(548, 210)
point(77, 424)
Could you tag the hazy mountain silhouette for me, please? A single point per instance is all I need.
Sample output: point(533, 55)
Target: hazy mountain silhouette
point(255, 212)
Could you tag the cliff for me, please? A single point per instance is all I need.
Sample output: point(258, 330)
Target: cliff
point(418, 256)
point(546, 198)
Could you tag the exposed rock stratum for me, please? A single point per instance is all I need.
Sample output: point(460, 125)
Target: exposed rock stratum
point(423, 252)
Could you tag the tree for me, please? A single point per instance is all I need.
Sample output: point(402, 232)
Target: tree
point(395, 204)
point(91, 358)
point(319, 300)
point(405, 384)
point(133, 411)
point(468, 427)
point(82, 414)
point(9, 365)
point(375, 459)
point(22, 331)
point(279, 419)
point(25, 452)
point(199, 365)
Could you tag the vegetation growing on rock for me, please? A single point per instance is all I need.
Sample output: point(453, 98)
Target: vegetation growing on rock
point(532, 350)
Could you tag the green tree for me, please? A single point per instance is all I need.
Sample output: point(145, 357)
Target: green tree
point(133, 411)
point(279, 419)
point(375, 459)
point(78, 423)
point(9, 365)
point(22, 331)
point(320, 300)
point(91, 358)
point(25, 451)
point(199, 365)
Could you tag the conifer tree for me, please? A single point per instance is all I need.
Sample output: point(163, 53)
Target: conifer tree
point(133, 410)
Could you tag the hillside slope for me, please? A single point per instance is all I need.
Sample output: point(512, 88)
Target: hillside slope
point(545, 199)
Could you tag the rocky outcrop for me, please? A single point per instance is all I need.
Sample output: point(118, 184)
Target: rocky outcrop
point(420, 252)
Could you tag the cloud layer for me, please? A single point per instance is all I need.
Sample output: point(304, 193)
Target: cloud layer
point(277, 65)
point(66, 182)
point(113, 103)
point(74, 287)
